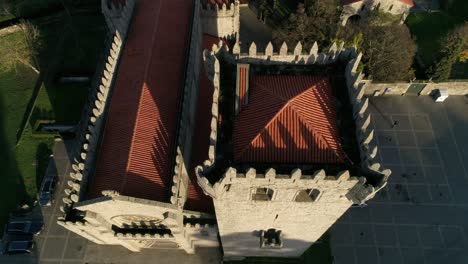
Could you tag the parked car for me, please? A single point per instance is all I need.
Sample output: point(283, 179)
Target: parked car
point(23, 227)
point(46, 194)
point(18, 244)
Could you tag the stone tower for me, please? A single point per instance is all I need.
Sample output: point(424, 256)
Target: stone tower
point(276, 198)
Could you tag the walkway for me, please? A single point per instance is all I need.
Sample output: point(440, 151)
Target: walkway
point(422, 216)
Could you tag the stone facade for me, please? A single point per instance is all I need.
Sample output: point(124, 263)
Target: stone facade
point(301, 222)
point(221, 21)
point(360, 8)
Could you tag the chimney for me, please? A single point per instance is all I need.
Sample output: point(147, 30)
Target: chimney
point(242, 86)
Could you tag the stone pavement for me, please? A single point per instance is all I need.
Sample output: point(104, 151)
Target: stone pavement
point(422, 216)
point(57, 245)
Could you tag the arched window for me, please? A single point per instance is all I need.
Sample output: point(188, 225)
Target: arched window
point(262, 194)
point(308, 195)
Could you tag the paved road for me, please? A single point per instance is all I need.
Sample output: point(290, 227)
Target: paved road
point(422, 216)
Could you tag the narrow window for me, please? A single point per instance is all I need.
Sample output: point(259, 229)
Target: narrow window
point(262, 194)
point(308, 195)
point(390, 8)
point(363, 6)
point(271, 238)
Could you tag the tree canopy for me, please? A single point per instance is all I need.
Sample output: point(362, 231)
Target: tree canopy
point(453, 49)
point(388, 49)
point(316, 20)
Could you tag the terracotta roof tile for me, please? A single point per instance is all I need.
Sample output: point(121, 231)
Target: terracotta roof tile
point(289, 119)
point(138, 144)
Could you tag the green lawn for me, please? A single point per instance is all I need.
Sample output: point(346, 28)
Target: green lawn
point(22, 165)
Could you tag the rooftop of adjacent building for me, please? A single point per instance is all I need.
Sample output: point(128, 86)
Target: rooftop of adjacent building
point(138, 146)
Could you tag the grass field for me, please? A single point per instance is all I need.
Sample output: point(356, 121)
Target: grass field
point(430, 28)
point(70, 44)
point(22, 165)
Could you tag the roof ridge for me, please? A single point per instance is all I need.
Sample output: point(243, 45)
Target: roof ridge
point(312, 128)
point(262, 87)
point(286, 105)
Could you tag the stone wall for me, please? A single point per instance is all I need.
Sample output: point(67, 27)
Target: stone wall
point(188, 111)
point(221, 22)
point(394, 7)
point(301, 223)
point(297, 56)
point(401, 88)
point(90, 127)
point(103, 214)
point(368, 149)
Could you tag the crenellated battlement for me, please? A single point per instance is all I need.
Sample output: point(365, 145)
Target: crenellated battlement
point(91, 125)
point(293, 55)
point(220, 11)
point(121, 235)
point(356, 85)
point(221, 21)
point(296, 180)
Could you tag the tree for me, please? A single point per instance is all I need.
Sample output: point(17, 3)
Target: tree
point(452, 48)
point(388, 49)
point(388, 52)
point(316, 20)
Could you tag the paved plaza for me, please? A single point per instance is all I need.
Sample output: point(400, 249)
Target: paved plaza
point(422, 216)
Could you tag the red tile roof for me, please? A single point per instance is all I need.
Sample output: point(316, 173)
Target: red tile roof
point(347, 2)
point(197, 200)
point(243, 82)
point(138, 145)
point(289, 119)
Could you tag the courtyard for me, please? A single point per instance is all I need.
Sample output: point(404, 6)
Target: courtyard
point(422, 215)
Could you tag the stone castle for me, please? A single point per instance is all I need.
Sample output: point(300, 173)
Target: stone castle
point(189, 143)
